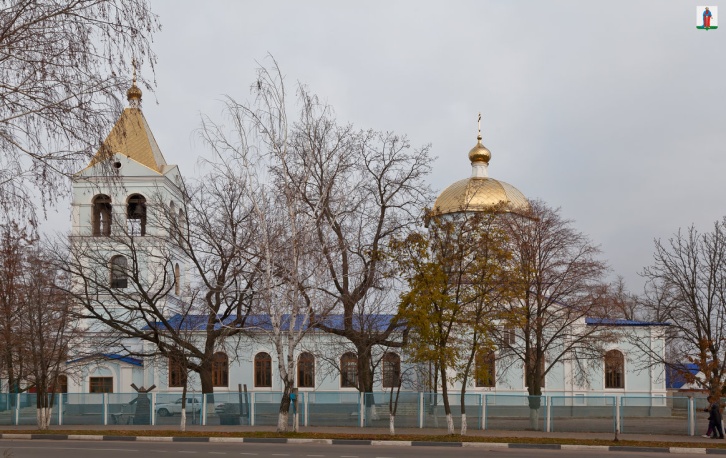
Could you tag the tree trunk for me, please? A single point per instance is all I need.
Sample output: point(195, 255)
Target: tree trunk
point(392, 425)
point(445, 396)
point(183, 420)
point(284, 414)
point(205, 376)
point(365, 380)
point(43, 411)
point(43, 418)
point(535, 402)
point(463, 406)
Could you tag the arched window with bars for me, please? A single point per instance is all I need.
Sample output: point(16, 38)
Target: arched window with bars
point(136, 215)
point(614, 370)
point(391, 370)
point(263, 370)
point(101, 215)
point(119, 275)
point(349, 370)
point(306, 370)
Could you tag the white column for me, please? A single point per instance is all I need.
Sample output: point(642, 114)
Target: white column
point(483, 401)
point(252, 408)
point(153, 408)
point(421, 410)
point(203, 420)
point(618, 428)
point(548, 409)
point(105, 408)
point(691, 417)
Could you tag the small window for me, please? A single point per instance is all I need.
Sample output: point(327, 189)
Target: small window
point(508, 336)
point(263, 370)
point(101, 215)
point(119, 277)
point(349, 370)
point(61, 384)
point(543, 377)
point(100, 385)
point(485, 367)
point(136, 215)
point(220, 369)
point(176, 374)
point(177, 279)
point(182, 225)
point(306, 371)
point(391, 370)
point(614, 369)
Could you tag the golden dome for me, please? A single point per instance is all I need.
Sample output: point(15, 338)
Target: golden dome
point(479, 194)
point(480, 153)
point(133, 93)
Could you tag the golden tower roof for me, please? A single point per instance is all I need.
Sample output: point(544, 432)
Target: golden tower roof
point(132, 136)
point(479, 192)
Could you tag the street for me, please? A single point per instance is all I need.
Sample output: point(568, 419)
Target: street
point(81, 449)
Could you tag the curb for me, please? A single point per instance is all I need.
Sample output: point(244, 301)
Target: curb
point(282, 440)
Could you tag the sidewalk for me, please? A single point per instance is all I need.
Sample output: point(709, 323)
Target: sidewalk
point(697, 441)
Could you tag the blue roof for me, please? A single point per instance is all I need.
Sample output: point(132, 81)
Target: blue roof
point(675, 375)
point(621, 322)
point(113, 356)
point(377, 322)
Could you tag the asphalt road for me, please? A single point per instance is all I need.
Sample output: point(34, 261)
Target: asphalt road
point(81, 449)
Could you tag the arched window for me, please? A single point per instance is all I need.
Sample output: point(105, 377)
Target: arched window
point(173, 221)
point(349, 370)
point(614, 369)
point(177, 279)
point(61, 384)
point(263, 370)
point(220, 369)
point(182, 225)
point(306, 371)
point(119, 277)
point(176, 373)
point(391, 370)
point(101, 215)
point(485, 367)
point(136, 214)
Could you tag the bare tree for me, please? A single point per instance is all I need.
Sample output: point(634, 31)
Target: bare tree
point(363, 189)
point(15, 241)
point(36, 326)
point(61, 62)
point(344, 192)
point(559, 279)
point(48, 329)
point(284, 254)
point(687, 287)
point(142, 300)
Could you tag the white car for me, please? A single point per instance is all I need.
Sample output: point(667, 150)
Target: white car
point(168, 409)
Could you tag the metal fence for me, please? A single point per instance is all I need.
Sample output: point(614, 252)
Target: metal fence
point(627, 414)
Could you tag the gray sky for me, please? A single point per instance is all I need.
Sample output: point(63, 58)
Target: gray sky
point(612, 110)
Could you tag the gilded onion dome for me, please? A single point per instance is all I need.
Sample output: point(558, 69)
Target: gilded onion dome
point(133, 94)
point(479, 192)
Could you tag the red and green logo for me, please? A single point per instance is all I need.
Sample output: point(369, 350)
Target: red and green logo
point(707, 17)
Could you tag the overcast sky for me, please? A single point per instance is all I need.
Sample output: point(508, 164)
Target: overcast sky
point(612, 110)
